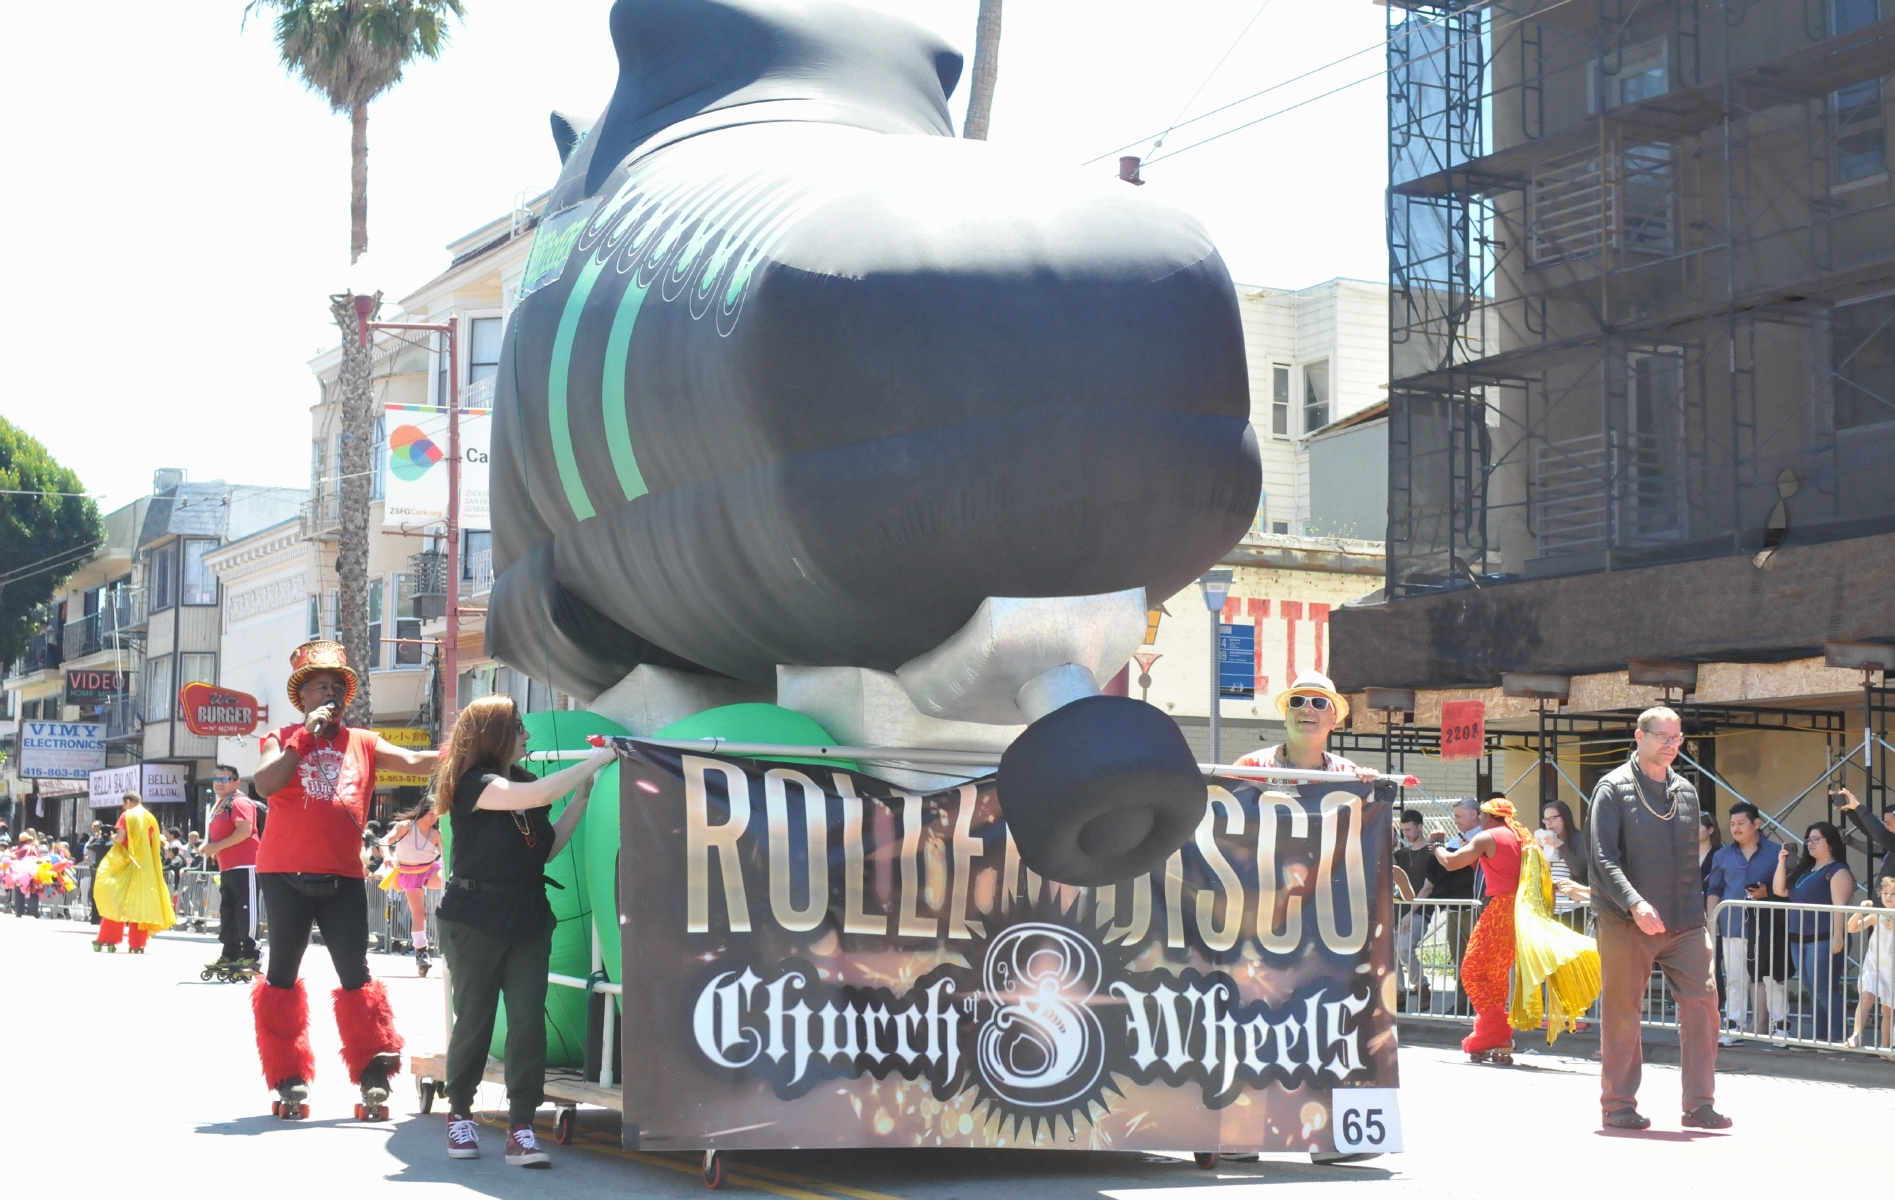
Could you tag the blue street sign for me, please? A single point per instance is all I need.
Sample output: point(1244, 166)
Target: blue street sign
point(1237, 662)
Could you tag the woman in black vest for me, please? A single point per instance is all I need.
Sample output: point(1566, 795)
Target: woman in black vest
point(495, 923)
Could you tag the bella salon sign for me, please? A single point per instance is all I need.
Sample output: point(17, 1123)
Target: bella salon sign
point(156, 783)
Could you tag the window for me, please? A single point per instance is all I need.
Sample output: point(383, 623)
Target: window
point(407, 625)
point(197, 668)
point(200, 582)
point(1280, 402)
point(1862, 340)
point(318, 465)
point(29, 709)
point(1861, 132)
point(1846, 16)
point(483, 348)
point(164, 577)
point(1315, 396)
point(477, 555)
point(315, 618)
point(378, 480)
point(375, 625)
point(1630, 75)
point(158, 689)
point(332, 619)
point(1279, 527)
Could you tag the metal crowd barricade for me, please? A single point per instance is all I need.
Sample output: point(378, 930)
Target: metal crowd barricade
point(1799, 987)
point(1803, 983)
point(391, 925)
point(198, 901)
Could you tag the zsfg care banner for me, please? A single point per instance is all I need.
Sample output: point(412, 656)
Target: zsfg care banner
point(814, 957)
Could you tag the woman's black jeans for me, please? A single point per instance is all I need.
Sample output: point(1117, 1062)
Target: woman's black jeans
point(480, 969)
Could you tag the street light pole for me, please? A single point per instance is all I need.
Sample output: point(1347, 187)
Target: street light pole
point(450, 653)
point(1216, 586)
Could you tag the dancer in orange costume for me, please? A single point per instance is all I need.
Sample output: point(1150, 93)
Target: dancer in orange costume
point(1518, 946)
point(130, 889)
point(1487, 967)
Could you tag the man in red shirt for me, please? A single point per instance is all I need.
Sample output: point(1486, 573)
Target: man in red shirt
point(319, 777)
point(232, 830)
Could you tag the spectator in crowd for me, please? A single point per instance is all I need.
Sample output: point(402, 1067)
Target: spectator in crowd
point(1710, 840)
point(1767, 943)
point(1564, 844)
point(1879, 835)
point(1878, 967)
point(1420, 872)
point(372, 848)
point(1459, 884)
point(1648, 906)
point(94, 854)
point(1749, 861)
point(1816, 942)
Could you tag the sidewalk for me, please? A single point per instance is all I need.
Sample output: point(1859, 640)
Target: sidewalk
point(1661, 1049)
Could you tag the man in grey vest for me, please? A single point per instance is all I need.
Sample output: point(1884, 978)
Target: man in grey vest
point(1649, 898)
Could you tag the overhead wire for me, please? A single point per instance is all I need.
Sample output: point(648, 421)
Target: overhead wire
point(1228, 51)
point(1332, 91)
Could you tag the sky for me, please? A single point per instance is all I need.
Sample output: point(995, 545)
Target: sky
point(203, 193)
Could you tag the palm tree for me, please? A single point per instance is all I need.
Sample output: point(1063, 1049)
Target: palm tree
point(349, 52)
point(980, 88)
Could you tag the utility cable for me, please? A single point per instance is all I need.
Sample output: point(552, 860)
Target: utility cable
point(1443, 49)
point(1232, 49)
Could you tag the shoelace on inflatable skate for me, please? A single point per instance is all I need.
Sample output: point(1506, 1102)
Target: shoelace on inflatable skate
point(463, 1131)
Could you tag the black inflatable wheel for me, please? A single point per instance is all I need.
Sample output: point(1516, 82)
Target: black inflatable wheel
point(1100, 791)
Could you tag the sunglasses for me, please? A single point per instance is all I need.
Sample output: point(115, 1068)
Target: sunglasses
point(1319, 703)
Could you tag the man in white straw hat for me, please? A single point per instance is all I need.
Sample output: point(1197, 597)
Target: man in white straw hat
point(1310, 708)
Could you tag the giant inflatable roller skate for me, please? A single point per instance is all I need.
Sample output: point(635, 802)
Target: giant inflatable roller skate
point(803, 392)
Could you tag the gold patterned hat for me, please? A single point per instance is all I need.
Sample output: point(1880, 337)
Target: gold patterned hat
point(313, 658)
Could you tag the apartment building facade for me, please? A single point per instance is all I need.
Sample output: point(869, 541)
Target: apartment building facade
point(1642, 399)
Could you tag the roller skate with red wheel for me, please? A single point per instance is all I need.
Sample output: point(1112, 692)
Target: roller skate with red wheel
point(374, 1084)
point(1502, 1057)
point(292, 1100)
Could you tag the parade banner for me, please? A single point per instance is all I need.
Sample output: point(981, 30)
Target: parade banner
point(415, 455)
point(824, 959)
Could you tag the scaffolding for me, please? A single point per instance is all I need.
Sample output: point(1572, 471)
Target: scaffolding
point(1642, 283)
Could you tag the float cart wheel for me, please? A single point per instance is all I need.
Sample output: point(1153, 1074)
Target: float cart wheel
point(713, 1169)
point(565, 1120)
point(1205, 1161)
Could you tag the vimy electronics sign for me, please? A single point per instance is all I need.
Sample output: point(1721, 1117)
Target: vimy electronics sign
point(825, 959)
point(60, 749)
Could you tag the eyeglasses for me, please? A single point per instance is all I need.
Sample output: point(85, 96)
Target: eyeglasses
point(1319, 703)
point(1663, 739)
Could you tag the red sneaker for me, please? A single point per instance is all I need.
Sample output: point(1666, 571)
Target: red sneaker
point(462, 1141)
point(523, 1149)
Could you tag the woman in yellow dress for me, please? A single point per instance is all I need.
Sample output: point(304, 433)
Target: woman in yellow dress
point(130, 886)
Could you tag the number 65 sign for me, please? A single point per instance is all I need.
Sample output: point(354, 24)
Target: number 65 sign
point(1367, 1120)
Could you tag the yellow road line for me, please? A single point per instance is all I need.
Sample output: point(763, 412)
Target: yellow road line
point(837, 1188)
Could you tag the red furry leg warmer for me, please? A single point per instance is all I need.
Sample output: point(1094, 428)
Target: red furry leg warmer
point(283, 1032)
point(367, 1026)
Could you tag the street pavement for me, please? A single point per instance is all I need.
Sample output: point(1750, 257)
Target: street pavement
point(128, 1071)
